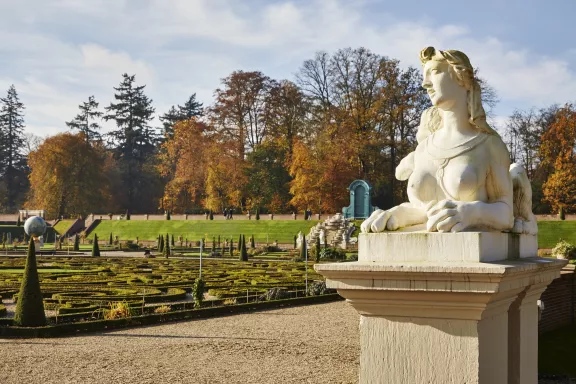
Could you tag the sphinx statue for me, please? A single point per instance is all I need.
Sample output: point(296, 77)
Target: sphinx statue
point(459, 177)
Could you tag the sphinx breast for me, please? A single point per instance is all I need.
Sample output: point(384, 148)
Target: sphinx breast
point(422, 186)
point(463, 182)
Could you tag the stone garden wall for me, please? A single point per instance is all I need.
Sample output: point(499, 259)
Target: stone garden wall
point(559, 302)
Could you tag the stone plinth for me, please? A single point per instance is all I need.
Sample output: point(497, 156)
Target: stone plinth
point(465, 246)
point(424, 320)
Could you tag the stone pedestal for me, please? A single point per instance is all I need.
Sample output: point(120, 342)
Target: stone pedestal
point(433, 311)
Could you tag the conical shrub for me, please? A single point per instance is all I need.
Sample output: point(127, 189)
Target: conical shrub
point(76, 243)
point(30, 307)
point(244, 253)
point(231, 247)
point(303, 248)
point(166, 251)
point(95, 247)
point(252, 242)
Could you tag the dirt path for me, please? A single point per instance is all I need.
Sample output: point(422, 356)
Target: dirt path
point(309, 344)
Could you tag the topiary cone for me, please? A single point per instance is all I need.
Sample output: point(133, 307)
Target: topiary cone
point(95, 247)
point(30, 307)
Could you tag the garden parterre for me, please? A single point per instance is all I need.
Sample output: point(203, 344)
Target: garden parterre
point(77, 287)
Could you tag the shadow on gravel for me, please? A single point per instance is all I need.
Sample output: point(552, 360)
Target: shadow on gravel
point(184, 337)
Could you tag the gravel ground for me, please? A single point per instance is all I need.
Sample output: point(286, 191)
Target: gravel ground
point(308, 344)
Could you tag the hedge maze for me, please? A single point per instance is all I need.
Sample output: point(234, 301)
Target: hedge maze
point(87, 288)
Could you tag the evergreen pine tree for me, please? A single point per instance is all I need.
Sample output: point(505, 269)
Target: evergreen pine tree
point(134, 139)
point(167, 246)
point(86, 120)
point(172, 241)
point(318, 249)
point(111, 241)
point(30, 308)
point(303, 248)
point(252, 242)
point(95, 247)
point(231, 249)
point(76, 243)
point(12, 160)
point(191, 108)
point(213, 246)
point(162, 244)
point(295, 242)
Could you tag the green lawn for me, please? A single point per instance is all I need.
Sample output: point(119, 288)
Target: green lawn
point(63, 225)
point(550, 232)
point(281, 230)
point(556, 352)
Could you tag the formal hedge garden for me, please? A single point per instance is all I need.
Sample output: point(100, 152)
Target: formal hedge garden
point(80, 289)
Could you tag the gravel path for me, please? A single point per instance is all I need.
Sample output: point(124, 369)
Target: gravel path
point(308, 344)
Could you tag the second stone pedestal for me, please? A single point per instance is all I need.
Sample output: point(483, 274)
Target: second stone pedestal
point(444, 322)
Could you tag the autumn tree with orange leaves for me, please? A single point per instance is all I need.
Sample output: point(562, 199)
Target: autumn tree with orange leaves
point(557, 151)
point(69, 176)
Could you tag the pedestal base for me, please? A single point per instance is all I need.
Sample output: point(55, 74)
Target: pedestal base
point(445, 322)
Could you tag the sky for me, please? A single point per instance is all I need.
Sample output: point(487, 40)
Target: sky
point(59, 52)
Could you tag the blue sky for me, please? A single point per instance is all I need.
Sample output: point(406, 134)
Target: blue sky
point(59, 52)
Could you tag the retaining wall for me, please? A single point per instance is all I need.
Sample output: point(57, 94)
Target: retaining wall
point(559, 302)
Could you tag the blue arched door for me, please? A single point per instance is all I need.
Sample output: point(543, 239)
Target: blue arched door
point(360, 201)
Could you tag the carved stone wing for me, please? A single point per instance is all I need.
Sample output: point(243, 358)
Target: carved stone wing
point(524, 219)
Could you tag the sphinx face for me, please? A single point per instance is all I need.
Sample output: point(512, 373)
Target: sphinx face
point(443, 89)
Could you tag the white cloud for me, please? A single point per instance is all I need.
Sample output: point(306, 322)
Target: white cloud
point(58, 52)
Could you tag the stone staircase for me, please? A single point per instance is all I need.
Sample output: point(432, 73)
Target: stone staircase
point(337, 231)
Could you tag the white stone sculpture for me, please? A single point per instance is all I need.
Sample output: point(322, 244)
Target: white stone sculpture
point(299, 240)
point(459, 176)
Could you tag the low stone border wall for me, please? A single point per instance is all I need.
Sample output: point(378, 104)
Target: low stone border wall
point(7, 331)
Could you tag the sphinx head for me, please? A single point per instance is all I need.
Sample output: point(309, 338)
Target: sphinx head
point(449, 77)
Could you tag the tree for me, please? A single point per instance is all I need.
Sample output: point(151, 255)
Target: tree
point(133, 140)
point(191, 108)
point(558, 151)
point(12, 140)
point(185, 184)
point(172, 240)
point(30, 307)
point(252, 242)
point(95, 247)
point(111, 239)
point(87, 120)
point(318, 249)
point(68, 176)
point(213, 246)
point(239, 109)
